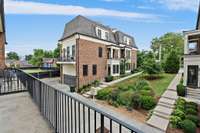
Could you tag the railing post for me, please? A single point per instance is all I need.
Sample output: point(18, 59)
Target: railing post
point(40, 96)
point(102, 123)
point(55, 110)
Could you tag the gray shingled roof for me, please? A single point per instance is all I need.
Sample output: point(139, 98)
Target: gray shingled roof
point(85, 26)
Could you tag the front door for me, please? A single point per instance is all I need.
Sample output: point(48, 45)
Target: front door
point(192, 76)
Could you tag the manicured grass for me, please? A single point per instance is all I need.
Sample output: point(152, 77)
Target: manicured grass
point(35, 70)
point(158, 85)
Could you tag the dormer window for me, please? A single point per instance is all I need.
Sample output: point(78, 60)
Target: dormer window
point(106, 35)
point(102, 33)
point(127, 40)
point(99, 33)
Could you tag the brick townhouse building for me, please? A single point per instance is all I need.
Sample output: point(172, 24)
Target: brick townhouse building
point(2, 36)
point(91, 51)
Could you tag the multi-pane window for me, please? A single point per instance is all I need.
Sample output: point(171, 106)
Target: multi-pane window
point(68, 52)
point(94, 69)
point(85, 70)
point(100, 52)
point(115, 69)
point(73, 51)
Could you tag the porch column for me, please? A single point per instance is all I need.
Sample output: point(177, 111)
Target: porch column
point(186, 47)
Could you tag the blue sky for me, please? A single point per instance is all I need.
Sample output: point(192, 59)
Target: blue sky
point(34, 24)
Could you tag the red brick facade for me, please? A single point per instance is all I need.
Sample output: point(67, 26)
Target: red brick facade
point(134, 59)
point(2, 51)
point(87, 54)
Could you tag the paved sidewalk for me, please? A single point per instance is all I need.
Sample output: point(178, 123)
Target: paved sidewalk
point(165, 106)
point(18, 114)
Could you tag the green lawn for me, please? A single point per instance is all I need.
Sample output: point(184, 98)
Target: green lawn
point(158, 85)
point(35, 70)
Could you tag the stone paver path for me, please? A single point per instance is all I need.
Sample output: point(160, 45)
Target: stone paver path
point(165, 106)
point(106, 84)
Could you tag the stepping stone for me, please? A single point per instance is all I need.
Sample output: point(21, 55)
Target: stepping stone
point(158, 122)
point(166, 105)
point(167, 101)
point(170, 95)
point(163, 110)
point(161, 115)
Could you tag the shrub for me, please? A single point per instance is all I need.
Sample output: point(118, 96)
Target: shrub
point(104, 93)
point(124, 98)
point(147, 93)
point(175, 121)
point(147, 102)
point(141, 84)
point(193, 118)
point(190, 111)
point(180, 90)
point(188, 126)
point(114, 95)
point(187, 106)
point(180, 104)
point(84, 88)
point(192, 104)
point(147, 88)
point(109, 78)
point(179, 113)
point(135, 102)
point(96, 83)
point(122, 88)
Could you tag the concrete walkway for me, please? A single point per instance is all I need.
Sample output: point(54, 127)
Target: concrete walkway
point(18, 114)
point(165, 106)
point(106, 84)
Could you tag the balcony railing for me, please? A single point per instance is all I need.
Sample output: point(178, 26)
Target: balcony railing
point(71, 113)
point(67, 59)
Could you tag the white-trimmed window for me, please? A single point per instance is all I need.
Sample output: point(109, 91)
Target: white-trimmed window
point(127, 40)
point(102, 34)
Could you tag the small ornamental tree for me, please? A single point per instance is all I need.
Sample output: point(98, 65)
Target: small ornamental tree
point(150, 66)
point(172, 62)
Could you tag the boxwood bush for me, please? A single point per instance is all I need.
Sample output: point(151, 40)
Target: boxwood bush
point(180, 90)
point(147, 102)
point(188, 126)
point(193, 118)
point(109, 78)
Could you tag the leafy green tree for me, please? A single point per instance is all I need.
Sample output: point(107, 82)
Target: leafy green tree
point(56, 52)
point(150, 66)
point(169, 42)
point(12, 56)
point(172, 62)
point(28, 57)
point(38, 55)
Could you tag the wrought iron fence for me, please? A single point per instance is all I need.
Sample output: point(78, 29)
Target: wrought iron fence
point(10, 82)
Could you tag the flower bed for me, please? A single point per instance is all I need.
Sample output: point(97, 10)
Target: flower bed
point(138, 95)
point(185, 116)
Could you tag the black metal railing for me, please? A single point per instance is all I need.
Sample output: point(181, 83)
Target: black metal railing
point(10, 82)
point(67, 59)
point(71, 113)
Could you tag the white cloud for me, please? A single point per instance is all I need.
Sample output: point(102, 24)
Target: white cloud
point(191, 5)
point(146, 7)
point(25, 7)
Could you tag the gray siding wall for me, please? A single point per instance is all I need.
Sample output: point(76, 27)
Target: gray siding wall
point(70, 80)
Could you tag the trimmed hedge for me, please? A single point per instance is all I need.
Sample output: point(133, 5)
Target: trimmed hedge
point(193, 118)
point(109, 78)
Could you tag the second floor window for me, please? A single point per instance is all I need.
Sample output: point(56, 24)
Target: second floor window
point(94, 69)
point(85, 70)
point(68, 52)
point(100, 51)
point(106, 35)
point(73, 51)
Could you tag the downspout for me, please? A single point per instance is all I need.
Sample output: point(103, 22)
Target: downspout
point(77, 61)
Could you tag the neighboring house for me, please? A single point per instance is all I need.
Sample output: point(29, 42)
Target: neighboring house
point(91, 51)
point(49, 62)
point(2, 35)
point(192, 56)
point(17, 63)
